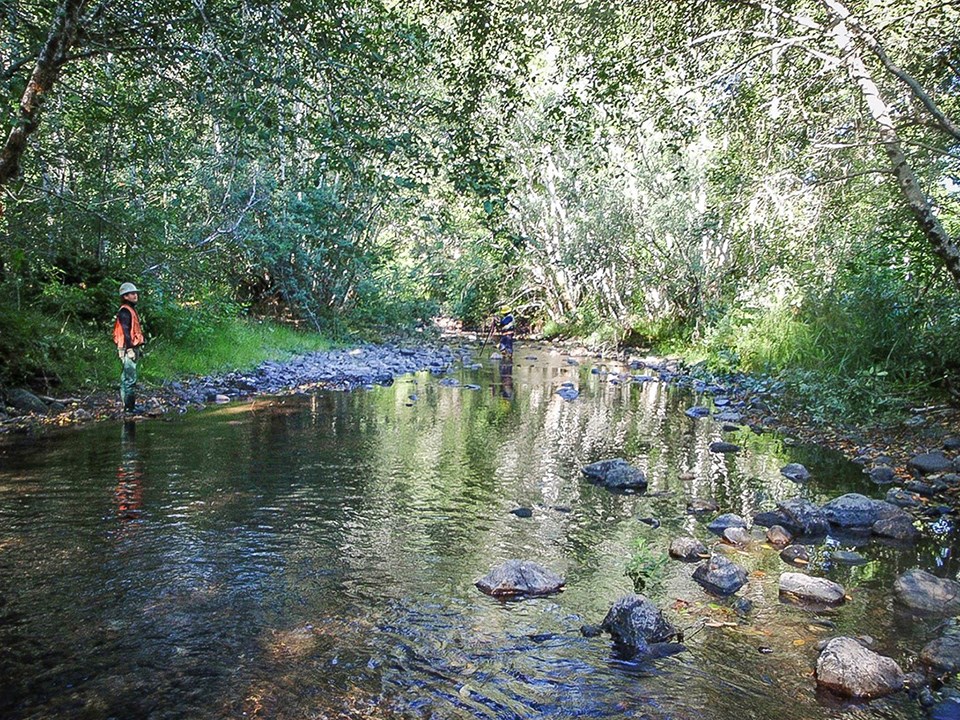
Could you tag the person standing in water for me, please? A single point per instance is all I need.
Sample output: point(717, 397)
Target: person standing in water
point(128, 337)
point(506, 325)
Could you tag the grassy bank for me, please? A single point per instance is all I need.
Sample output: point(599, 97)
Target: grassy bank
point(229, 345)
point(62, 353)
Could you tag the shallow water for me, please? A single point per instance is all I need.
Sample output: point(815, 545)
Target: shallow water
point(314, 557)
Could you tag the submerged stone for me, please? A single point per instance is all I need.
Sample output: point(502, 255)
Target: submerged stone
point(737, 536)
point(616, 474)
point(795, 472)
point(847, 557)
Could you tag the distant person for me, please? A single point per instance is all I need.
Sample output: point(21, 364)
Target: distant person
point(128, 337)
point(505, 324)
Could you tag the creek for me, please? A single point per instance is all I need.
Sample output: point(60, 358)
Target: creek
point(313, 556)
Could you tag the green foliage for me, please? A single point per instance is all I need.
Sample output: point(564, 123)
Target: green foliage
point(645, 567)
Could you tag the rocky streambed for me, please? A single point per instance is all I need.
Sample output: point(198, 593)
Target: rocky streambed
point(342, 369)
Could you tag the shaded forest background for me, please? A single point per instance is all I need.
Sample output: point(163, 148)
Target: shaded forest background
point(770, 185)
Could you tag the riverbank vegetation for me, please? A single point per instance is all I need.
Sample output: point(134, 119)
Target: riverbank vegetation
point(770, 187)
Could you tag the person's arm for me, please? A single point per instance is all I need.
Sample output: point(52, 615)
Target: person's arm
point(125, 321)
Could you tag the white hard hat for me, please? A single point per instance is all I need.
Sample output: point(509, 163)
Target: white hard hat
point(128, 288)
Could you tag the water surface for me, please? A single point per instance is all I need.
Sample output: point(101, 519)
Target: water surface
point(314, 557)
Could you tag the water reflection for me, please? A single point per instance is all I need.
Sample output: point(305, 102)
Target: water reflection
point(314, 556)
point(129, 490)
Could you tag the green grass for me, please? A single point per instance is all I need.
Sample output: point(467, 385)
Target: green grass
point(227, 346)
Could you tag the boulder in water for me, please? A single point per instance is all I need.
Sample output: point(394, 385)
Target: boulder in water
point(724, 447)
point(802, 517)
point(848, 668)
point(926, 593)
point(795, 472)
point(635, 622)
point(737, 536)
point(688, 549)
point(802, 589)
point(942, 654)
point(727, 520)
point(520, 578)
point(897, 527)
point(720, 576)
point(856, 510)
point(795, 555)
point(616, 474)
point(779, 536)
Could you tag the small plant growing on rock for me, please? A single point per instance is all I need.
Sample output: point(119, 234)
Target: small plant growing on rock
point(645, 567)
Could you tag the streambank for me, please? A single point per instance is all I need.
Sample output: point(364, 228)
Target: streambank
point(342, 369)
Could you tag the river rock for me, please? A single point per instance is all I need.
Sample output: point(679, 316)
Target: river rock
point(616, 474)
point(951, 443)
point(942, 654)
point(847, 557)
point(802, 517)
point(946, 709)
point(926, 593)
point(902, 498)
point(568, 393)
point(520, 577)
point(929, 463)
point(740, 537)
point(795, 472)
point(727, 520)
point(806, 589)
point(882, 474)
point(24, 401)
point(724, 447)
point(848, 668)
point(698, 411)
point(720, 576)
point(897, 527)
point(795, 555)
point(779, 536)
point(856, 510)
point(688, 549)
point(698, 506)
point(635, 622)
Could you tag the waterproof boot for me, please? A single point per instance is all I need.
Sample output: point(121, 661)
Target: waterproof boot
point(128, 402)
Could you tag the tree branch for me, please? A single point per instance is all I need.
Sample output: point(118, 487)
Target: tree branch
point(62, 36)
point(876, 48)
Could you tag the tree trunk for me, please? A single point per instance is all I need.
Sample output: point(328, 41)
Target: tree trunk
point(62, 36)
point(907, 182)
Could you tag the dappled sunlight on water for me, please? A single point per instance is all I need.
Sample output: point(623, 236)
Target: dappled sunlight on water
point(314, 556)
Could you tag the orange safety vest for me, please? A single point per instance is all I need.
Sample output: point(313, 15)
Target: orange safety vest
point(136, 334)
